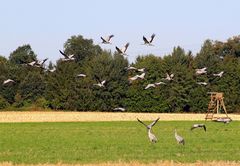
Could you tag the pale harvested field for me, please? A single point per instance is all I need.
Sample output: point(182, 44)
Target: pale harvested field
point(167, 163)
point(95, 116)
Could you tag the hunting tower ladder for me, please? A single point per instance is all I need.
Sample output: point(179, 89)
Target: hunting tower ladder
point(215, 104)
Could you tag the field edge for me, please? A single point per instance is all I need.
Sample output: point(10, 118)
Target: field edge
point(134, 163)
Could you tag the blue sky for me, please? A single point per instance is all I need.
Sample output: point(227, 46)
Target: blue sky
point(47, 24)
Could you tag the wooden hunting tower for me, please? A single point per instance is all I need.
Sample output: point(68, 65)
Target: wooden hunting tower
point(215, 105)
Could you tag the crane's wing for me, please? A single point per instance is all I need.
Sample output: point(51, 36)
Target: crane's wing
point(204, 127)
point(142, 122)
point(103, 82)
point(103, 40)
point(193, 127)
point(167, 75)
point(125, 48)
point(154, 122)
point(159, 83)
point(152, 37)
point(131, 68)
point(44, 61)
point(148, 86)
point(134, 77)
point(32, 63)
point(118, 50)
point(63, 54)
point(109, 37)
point(145, 40)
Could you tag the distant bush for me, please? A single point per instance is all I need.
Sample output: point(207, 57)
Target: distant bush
point(42, 103)
point(3, 103)
point(18, 101)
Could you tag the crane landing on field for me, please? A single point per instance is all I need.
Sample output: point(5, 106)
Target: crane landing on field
point(216, 107)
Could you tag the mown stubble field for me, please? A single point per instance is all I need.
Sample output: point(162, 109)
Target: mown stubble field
point(96, 116)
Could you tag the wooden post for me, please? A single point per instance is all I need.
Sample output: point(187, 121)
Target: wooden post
point(224, 108)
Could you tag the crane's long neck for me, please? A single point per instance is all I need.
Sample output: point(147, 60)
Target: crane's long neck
point(149, 130)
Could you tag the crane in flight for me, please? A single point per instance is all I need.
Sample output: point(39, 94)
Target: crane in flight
point(67, 57)
point(107, 39)
point(201, 71)
point(8, 81)
point(199, 126)
point(123, 50)
point(219, 74)
point(148, 42)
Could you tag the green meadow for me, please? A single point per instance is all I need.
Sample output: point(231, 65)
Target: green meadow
point(100, 142)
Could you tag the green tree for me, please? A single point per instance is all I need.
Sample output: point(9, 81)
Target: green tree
point(62, 89)
point(22, 54)
point(81, 48)
point(59, 88)
point(32, 86)
point(3, 68)
point(112, 69)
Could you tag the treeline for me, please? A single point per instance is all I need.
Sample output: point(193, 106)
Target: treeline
point(63, 90)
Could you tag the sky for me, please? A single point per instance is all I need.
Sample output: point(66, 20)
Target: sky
point(47, 24)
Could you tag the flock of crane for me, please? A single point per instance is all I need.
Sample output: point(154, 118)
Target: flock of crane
point(122, 51)
point(179, 139)
point(101, 83)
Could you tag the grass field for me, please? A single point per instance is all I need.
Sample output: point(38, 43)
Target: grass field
point(101, 142)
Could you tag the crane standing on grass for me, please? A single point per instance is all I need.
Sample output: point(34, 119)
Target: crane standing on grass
point(179, 139)
point(151, 136)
